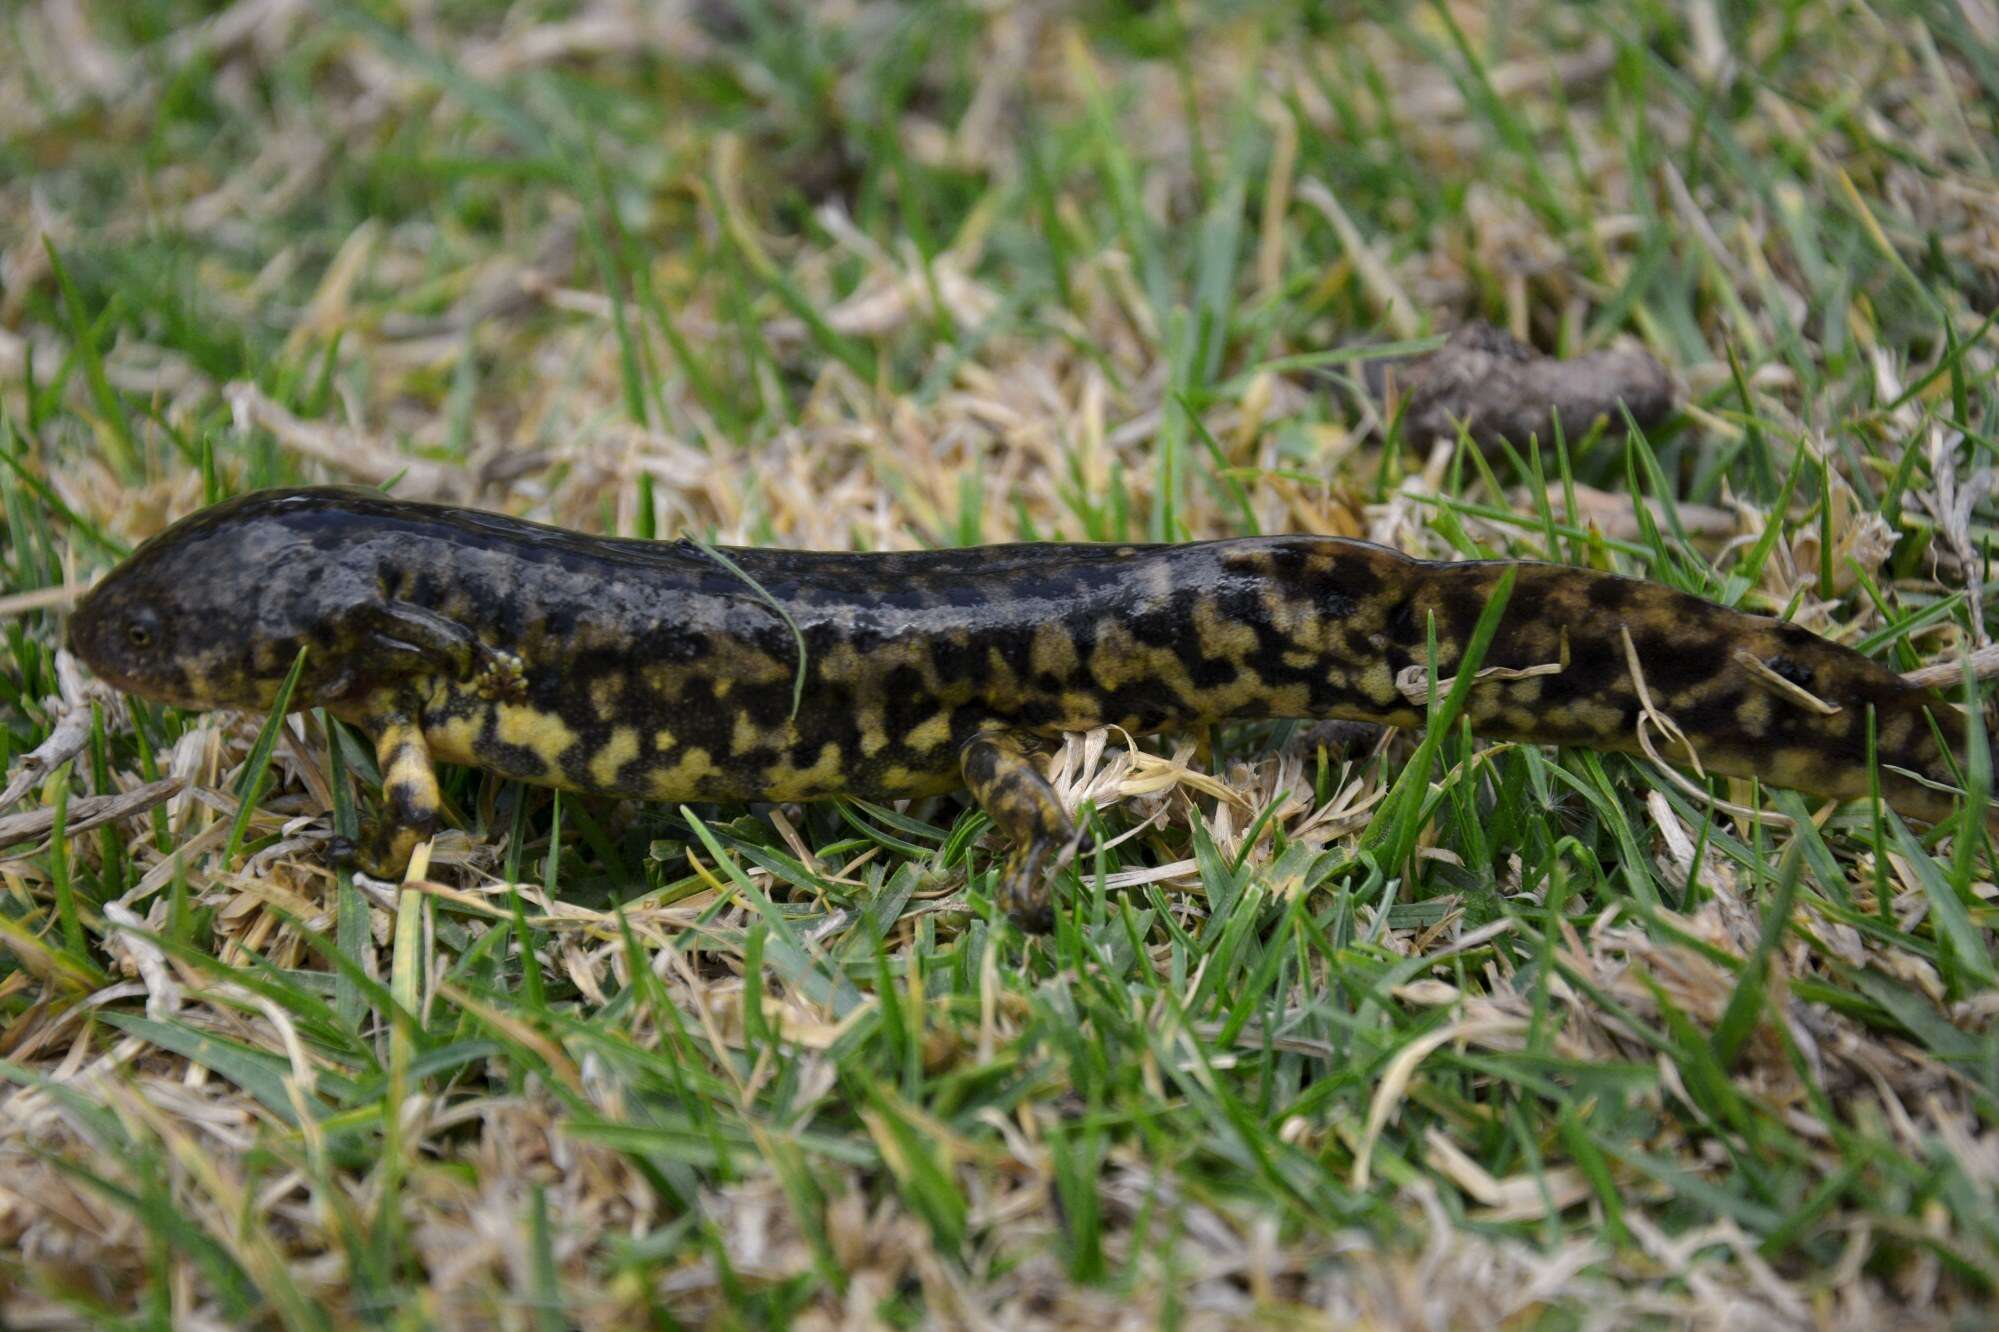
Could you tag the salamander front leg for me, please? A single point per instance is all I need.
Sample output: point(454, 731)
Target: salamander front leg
point(410, 799)
point(1008, 785)
point(410, 640)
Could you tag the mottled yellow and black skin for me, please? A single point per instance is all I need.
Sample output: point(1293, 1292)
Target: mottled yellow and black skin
point(654, 670)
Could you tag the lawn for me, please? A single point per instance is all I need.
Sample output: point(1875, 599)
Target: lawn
point(1550, 1039)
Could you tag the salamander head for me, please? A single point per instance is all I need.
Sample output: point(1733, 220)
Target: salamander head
point(1919, 775)
point(1919, 735)
point(212, 612)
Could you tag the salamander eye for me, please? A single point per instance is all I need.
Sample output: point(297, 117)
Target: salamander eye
point(142, 628)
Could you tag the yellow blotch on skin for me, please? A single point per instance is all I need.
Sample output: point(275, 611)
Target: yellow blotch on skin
point(1600, 719)
point(846, 664)
point(1556, 719)
point(899, 778)
point(927, 735)
point(1754, 715)
point(1080, 711)
point(1221, 636)
point(747, 735)
point(1117, 657)
point(740, 662)
point(1053, 652)
point(410, 758)
point(789, 783)
point(1001, 686)
point(1291, 700)
point(1377, 682)
point(1248, 560)
point(620, 749)
point(605, 692)
point(1804, 768)
point(453, 740)
point(681, 781)
point(542, 732)
point(1290, 617)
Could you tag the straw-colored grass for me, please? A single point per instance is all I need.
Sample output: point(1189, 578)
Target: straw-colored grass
point(1564, 1047)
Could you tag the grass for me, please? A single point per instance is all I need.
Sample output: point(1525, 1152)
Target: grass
point(1417, 1034)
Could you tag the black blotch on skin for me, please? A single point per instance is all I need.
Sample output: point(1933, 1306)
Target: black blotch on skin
point(1267, 660)
point(1236, 599)
point(981, 764)
point(964, 659)
point(426, 589)
point(1144, 702)
point(1528, 602)
point(1356, 577)
point(1463, 604)
point(1712, 720)
point(1671, 667)
point(1592, 670)
point(1401, 626)
point(1035, 713)
point(905, 704)
point(406, 804)
point(574, 761)
point(1611, 594)
point(678, 649)
point(1167, 627)
point(500, 755)
point(1211, 672)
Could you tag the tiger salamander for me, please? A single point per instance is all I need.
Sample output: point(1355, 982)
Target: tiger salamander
point(662, 671)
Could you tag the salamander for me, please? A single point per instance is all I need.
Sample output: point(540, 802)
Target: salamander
point(675, 671)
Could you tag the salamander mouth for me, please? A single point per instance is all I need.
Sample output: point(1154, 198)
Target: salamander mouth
point(170, 693)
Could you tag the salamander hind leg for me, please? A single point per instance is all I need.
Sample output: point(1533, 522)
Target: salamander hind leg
point(1008, 785)
point(410, 799)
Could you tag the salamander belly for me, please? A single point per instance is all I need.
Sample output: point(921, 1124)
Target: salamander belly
point(700, 753)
